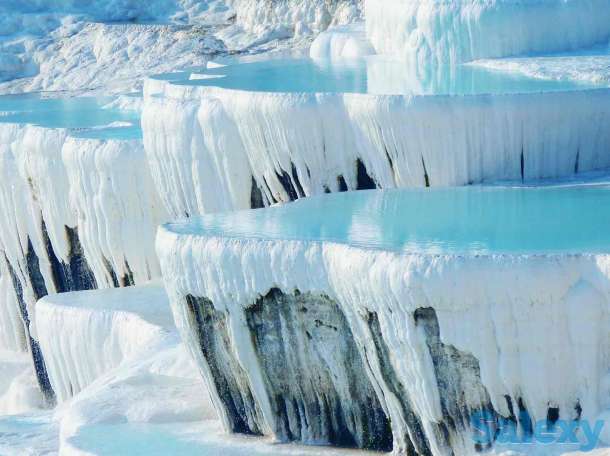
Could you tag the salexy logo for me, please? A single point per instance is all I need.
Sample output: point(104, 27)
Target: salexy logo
point(489, 429)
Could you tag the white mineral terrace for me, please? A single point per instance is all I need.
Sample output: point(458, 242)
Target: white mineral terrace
point(505, 271)
point(422, 31)
point(119, 368)
point(85, 334)
point(186, 267)
point(279, 129)
point(78, 207)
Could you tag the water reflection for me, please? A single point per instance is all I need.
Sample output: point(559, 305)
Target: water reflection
point(469, 220)
point(85, 116)
point(373, 74)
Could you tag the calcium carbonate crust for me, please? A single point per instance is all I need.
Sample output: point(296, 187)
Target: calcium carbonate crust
point(450, 32)
point(529, 330)
point(76, 214)
point(213, 149)
point(85, 334)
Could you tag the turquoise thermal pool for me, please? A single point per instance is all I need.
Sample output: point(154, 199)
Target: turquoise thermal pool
point(375, 75)
point(467, 220)
point(86, 117)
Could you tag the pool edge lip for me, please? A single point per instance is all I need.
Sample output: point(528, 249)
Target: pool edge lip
point(163, 233)
point(76, 133)
point(205, 90)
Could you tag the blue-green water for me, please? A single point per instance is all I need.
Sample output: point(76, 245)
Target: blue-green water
point(84, 116)
point(369, 75)
point(187, 439)
point(467, 220)
point(30, 434)
point(136, 440)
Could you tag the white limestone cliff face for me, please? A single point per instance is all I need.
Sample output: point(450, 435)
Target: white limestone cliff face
point(117, 207)
point(398, 351)
point(213, 149)
point(100, 187)
point(495, 327)
point(76, 214)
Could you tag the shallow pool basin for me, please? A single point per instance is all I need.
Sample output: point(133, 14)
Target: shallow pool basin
point(86, 117)
point(374, 75)
point(467, 220)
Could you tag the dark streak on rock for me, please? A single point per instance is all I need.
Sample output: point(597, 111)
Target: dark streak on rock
point(36, 279)
point(525, 420)
point(363, 179)
point(81, 276)
point(127, 279)
point(256, 196)
point(286, 182)
point(313, 373)
point(273, 200)
point(74, 276)
point(231, 382)
point(390, 161)
point(42, 377)
point(522, 165)
point(577, 410)
point(552, 415)
point(416, 439)
point(297, 182)
point(111, 272)
point(341, 184)
point(455, 372)
point(426, 177)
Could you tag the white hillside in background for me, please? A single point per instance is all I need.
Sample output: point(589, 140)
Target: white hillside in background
point(111, 46)
point(258, 22)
